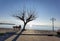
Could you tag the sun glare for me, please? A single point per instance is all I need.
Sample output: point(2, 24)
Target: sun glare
point(30, 25)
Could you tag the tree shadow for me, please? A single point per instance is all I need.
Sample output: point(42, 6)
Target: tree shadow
point(17, 36)
point(6, 36)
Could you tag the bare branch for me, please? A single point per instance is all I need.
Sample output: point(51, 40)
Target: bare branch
point(20, 18)
point(31, 16)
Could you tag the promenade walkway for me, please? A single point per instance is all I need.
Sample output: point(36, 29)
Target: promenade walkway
point(35, 35)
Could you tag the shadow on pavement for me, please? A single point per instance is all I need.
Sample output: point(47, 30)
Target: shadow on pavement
point(17, 36)
point(6, 36)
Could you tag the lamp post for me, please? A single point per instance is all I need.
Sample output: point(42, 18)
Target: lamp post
point(53, 19)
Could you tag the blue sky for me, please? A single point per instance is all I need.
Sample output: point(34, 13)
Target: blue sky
point(45, 9)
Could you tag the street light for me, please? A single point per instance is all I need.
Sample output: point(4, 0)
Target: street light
point(53, 19)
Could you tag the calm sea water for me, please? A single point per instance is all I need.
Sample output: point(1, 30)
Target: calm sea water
point(43, 28)
point(35, 27)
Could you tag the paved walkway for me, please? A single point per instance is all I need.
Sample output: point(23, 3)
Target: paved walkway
point(37, 38)
point(34, 35)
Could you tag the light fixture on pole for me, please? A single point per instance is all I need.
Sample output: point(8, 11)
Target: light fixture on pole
point(53, 19)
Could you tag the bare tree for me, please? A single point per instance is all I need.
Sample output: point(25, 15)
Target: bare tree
point(26, 16)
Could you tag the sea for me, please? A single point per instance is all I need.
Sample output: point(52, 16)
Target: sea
point(34, 27)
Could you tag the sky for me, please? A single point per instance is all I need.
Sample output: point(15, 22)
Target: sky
point(45, 10)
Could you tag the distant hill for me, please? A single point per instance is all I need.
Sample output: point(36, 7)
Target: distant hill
point(6, 24)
